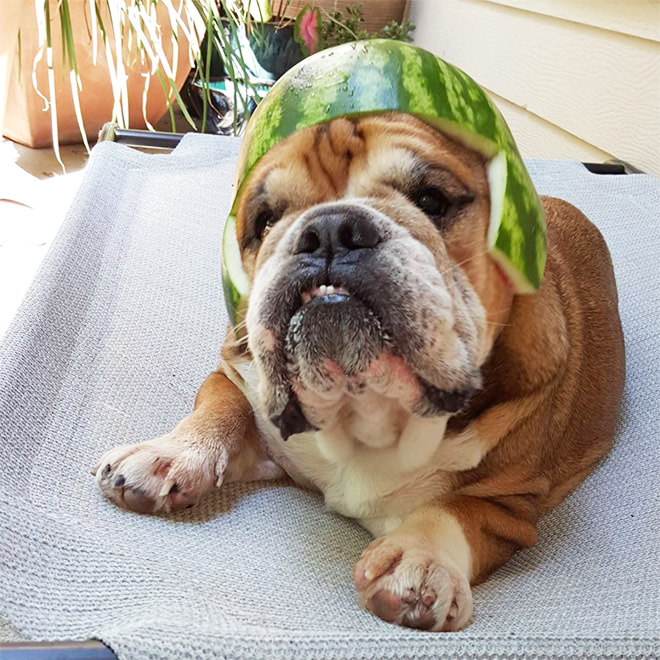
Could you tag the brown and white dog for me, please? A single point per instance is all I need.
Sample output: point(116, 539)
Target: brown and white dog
point(388, 365)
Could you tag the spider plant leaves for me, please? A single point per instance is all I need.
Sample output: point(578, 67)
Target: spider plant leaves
point(43, 19)
point(20, 55)
point(256, 10)
point(69, 62)
point(68, 45)
point(153, 34)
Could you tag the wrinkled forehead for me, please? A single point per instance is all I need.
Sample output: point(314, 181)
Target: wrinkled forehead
point(346, 157)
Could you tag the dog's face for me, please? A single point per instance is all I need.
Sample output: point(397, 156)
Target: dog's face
point(372, 290)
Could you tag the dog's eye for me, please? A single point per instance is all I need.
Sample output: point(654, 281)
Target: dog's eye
point(263, 222)
point(432, 201)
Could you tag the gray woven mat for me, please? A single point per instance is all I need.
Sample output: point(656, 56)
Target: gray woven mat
point(122, 324)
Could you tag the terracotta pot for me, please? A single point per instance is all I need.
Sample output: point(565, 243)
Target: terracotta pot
point(377, 13)
point(10, 16)
point(25, 119)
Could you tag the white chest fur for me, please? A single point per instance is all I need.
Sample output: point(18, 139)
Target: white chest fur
point(364, 469)
point(361, 481)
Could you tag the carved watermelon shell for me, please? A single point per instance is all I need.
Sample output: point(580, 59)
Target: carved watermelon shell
point(383, 75)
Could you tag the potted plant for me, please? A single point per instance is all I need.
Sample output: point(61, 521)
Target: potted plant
point(75, 64)
point(79, 63)
point(271, 39)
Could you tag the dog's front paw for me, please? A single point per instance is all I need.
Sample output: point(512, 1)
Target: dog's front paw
point(161, 475)
point(401, 582)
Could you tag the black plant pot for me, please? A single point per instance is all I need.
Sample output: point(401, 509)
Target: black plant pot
point(275, 48)
point(273, 52)
point(227, 112)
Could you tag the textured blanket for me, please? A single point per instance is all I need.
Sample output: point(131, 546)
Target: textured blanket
point(123, 323)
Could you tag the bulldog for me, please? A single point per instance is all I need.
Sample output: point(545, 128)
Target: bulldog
point(385, 361)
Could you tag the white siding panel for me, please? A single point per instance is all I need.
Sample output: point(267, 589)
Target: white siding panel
point(598, 85)
point(640, 18)
point(538, 138)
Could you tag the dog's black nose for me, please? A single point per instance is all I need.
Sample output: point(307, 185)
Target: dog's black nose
point(330, 234)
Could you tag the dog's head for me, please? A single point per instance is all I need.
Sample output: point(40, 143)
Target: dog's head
point(371, 286)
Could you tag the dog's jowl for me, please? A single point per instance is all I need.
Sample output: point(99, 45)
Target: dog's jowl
point(385, 359)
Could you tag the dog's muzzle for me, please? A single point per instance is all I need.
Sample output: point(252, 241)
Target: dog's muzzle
point(333, 323)
point(344, 320)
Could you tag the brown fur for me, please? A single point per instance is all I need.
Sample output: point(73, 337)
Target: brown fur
point(553, 387)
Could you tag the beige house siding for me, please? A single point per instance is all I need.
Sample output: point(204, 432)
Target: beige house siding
point(576, 79)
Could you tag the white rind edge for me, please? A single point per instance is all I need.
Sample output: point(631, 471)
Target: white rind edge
point(232, 260)
point(497, 175)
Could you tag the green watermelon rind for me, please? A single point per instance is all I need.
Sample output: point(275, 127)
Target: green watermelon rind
point(235, 282)
point(381, 75)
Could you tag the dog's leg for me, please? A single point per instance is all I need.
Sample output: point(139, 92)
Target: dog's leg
point(419, 575)
point(217, 442)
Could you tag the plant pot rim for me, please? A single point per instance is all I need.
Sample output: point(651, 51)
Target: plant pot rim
point(198, 82)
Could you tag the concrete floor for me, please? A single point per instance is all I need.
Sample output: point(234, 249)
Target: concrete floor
point(34, 197)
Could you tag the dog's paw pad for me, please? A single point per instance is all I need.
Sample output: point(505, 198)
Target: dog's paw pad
point(403, 583)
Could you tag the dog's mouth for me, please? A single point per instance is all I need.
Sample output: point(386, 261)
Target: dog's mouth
point(337, 346)
point(327, 293)
point(333, 324)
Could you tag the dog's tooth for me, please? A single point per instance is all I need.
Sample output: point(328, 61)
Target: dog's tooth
point(322, 290)
point(329, 290)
